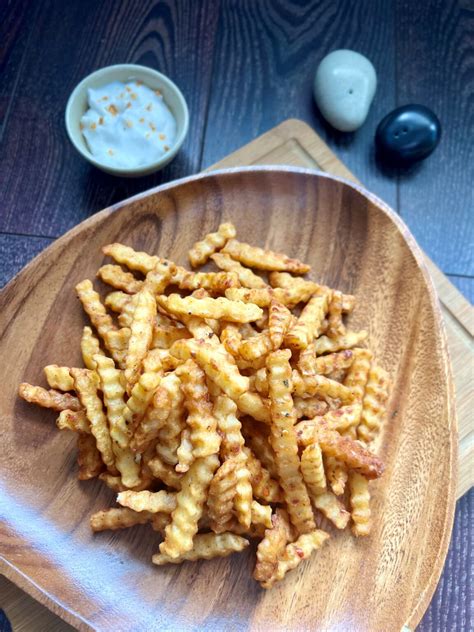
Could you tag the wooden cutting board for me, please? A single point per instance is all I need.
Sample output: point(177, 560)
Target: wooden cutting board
point(293, 142)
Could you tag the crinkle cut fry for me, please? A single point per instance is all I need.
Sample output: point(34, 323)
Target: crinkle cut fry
point(113, 393)
point(205, 547)
point(116, 277)
point(264, 487)
point(201, 420)
point(184, 453)
point(214, 282)
point(350, 452)
point(374, 404)
point(141, 334)
point(312, 468)
point(58, 377)
point(329, 505)
point(189, 506)
point(335, 325)
point(75, 420)
point(308, 288)
point(167, 398)
point(48, 399)
point(360, 504)
point(295, 553)
point(308, 325)
point(94, 308)
point(310, 385)
point(118, 518)
point(89, 459)
point(350, 339)
point(170, 433)
point(284, 443)
point(232, 445)
point(153, 502)
point(255, 257)
point(86, 384)
point(141, 261)
point(221, 496)
point(247, 278)
point(220, 308)
point(212, 242)
point(272, 546)
point(216, 362)
point(309, 364)
point(139, 400)
point(279, 320)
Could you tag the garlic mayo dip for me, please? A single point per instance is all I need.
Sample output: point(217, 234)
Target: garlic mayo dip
point(127, 124)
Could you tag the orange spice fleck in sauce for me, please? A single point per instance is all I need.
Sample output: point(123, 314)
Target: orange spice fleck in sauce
point(110, 152)
point(149, 107)
point(138, 82)
point(101, 120)
point(133, 95)
point(128, 88)
point(106, 98)
point(129, 124)
point(129, 105)
point(152, 127)
point(81, 126)
point(93, 126)
point(162, 137)
point(165, 147)
point(158, 93)
point(112, 109)
point(142, 120)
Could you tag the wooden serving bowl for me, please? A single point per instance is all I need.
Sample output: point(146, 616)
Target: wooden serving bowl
point(107, 581)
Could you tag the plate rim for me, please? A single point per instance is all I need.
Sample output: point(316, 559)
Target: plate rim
point(21, 580)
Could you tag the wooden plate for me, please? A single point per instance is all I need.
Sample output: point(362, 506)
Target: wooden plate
point(107, 581)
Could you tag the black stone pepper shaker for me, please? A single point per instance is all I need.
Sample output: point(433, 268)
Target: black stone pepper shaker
point(408, 134)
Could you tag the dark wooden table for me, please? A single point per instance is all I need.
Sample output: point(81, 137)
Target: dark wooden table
point(244, 66)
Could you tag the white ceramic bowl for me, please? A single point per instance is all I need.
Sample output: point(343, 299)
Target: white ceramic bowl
point(77, 105)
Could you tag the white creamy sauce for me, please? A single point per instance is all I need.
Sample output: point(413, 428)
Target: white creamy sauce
point(128, 125)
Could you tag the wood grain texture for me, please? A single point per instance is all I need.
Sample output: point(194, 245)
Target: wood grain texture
point(293, 142)
point(464, 284)
point(435, 66)
point(354, 243)
point(266, 54)
point(15, 30)
point(55, 189)
point(16, 251)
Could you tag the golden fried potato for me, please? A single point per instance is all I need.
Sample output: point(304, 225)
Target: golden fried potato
point(212, 242)
point(332, 509)
point(263, 259)
point(273, 545)
point(94, 308)
point(58, 377)
point(205, 547)
point(86, 384)
point(219, 308)
point(308, 325)
point(329, 345)
point(220, 500)
point(152, 502)
point(48, 399)
point(75, 420)
point(279, 321)
point(360, 504)
point(117, 277)
point(247, 278)
point(201, 421)
point(374, 404)
point(190, 501)
point(134, 260)
point(283, 441)
point(295, 553)
point(118, 518)
point(141, 335)
point(312, 468)
point(89, 459)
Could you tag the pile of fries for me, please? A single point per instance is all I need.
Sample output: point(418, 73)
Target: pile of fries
point(223, 406)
